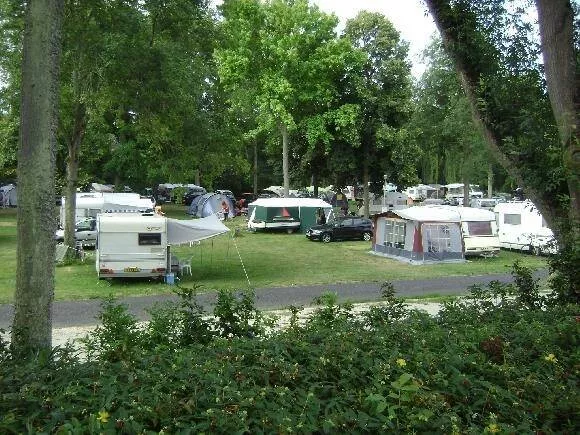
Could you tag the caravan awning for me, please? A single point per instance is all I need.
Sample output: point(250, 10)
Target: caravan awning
point(186, 231)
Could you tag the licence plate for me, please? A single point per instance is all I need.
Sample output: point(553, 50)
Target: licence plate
point(132, 269)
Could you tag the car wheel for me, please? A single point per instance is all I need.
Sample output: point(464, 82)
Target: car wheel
point(326, 238)
point(367, 237)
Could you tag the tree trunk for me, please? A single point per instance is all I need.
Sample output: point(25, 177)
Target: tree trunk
point(285, 171)
point(490, 181)
point(72, 170)
point(555, 19)
point(32, 327)
point(315, 183)
point(255, 166)
point(366, 195)
point(465, 180)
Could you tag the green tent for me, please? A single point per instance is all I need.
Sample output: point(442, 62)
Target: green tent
point(292, 214)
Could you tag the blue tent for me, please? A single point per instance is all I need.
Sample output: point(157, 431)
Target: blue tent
point(210, 204)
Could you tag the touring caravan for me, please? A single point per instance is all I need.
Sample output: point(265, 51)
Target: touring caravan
point(478, 229)
point(455, 192)
point(139, 244)
point(522, 227)
point(90, 204)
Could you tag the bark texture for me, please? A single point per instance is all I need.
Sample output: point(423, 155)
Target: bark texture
point(32, 327)
point(285, 169)
point(72, 170)
point(556, 19)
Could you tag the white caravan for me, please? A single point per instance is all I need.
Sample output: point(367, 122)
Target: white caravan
point(522, 227)
point(479, 230)
point(455, 191)
point(90, 204)
point(139, 244)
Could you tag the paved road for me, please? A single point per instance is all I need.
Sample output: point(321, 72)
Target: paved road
point(84, 312)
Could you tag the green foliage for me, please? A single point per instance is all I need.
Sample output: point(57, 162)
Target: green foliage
point(489, 363)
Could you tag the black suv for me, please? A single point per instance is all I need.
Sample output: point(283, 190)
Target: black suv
point(343, 228)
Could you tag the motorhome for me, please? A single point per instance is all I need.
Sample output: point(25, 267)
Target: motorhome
point(478, 229)
point(139, 244)
point(522, 227)
point(90, 204)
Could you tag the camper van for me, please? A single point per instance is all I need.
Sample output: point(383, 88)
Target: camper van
point(521, 226)
point(139, 244)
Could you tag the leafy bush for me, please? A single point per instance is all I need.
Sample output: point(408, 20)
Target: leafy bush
point(494, 362)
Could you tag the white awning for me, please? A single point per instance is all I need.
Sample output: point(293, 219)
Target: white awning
point(186, 231)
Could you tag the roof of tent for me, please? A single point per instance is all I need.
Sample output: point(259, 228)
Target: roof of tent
point(427, 214)
point(210, 203)
point(186, 231)
point(468, 213)
point(290, 202)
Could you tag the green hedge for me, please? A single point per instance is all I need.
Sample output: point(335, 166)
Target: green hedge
point(494, 362)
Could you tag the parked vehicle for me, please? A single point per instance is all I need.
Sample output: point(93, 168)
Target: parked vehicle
point(85, 232)
point(455, 192)
point(522, 227)
point(139, 244)
point(342, 228)
point(90, 204)
point(193, 192)
point(485, 203)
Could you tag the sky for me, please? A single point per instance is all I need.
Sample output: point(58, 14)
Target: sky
point(409, 17)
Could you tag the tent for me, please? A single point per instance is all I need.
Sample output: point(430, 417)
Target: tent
point(419, 235)
point(286, 213)
point(210, 204)
point(8, 196)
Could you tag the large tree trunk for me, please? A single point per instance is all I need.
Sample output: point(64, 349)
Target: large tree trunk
point(72, 172)
point(556, 19)
point(285, 171)
point(32, 327)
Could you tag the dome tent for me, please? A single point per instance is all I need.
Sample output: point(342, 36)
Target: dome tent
point(210, 204)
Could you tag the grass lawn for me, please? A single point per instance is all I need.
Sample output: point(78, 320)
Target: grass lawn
point(270, 260)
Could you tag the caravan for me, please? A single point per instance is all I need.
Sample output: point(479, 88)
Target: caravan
point(521, 226)
point(90, 204)
point(478, 229)
point(139, 244)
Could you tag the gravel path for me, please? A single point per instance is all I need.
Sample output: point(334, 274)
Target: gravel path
point(83, 313)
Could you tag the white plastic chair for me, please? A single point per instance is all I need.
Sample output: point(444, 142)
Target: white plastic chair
point(185, 266)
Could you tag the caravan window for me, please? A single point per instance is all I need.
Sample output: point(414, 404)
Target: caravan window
point(149, 239)
point(479, 228)
point(512, 219)
point(395, 234)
